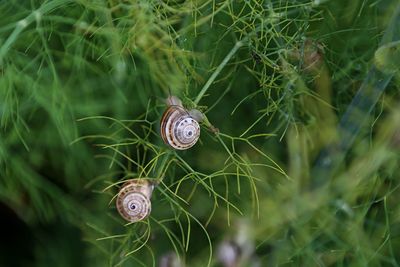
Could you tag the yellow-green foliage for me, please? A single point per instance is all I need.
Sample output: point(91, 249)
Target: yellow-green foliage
point(82, 90)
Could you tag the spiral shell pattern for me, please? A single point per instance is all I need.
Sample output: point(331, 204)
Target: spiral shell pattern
point(133, 200)
point(179, 129)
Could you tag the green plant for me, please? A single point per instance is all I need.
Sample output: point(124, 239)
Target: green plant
point(82, 90)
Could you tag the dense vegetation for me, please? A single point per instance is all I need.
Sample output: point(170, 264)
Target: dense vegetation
point(298, 158)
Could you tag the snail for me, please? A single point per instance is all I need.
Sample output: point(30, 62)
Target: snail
point(133, 200)
point(180, 127)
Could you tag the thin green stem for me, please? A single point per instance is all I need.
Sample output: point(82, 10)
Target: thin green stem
point(231, 53)
point(23, 23)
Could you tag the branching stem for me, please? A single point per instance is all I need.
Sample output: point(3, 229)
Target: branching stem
point(23, 23)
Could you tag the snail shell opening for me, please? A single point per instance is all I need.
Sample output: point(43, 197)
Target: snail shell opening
point(133, 200)
point(179, 129)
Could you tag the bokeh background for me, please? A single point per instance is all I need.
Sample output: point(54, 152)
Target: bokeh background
point(82, 89)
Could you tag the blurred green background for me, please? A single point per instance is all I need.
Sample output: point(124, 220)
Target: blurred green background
point(82, 90)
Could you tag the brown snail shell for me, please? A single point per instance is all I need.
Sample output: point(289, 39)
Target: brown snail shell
point(133, 200)
point(179, 128)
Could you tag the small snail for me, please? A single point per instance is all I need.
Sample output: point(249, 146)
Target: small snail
point(179, 127)
point(133, 200)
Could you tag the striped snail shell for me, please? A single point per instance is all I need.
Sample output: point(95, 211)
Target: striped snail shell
point(133, 200)
point(179, 127)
